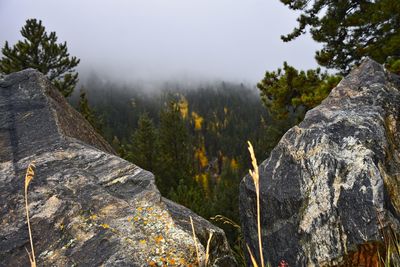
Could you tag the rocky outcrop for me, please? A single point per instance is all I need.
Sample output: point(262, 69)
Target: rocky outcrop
point(88, 207)
point(332, 184)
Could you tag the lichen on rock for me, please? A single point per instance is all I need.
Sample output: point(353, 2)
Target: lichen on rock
point(332, 183)
point(88, 207)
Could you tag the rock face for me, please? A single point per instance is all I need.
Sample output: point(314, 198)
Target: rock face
point(88, 207)
point(333, 182)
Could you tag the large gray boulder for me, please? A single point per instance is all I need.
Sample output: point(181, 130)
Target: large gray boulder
point(88, 207)
point(333, 182)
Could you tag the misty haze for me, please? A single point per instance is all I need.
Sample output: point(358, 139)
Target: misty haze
point(157, 41)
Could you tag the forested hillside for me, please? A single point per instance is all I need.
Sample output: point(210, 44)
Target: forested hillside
point(193, 140)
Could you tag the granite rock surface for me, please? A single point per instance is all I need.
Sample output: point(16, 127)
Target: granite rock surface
point(331, 187)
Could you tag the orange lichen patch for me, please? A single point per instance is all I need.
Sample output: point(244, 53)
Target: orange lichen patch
point(171, 261)
point(159, 239)
point(152, 263)
point(367, 255)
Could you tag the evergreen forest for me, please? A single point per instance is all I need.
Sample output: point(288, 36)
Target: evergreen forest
point(192, 139)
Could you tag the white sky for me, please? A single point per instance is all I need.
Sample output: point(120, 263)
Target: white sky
point(130, 40)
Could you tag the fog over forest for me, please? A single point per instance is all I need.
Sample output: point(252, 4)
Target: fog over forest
point(154, 41)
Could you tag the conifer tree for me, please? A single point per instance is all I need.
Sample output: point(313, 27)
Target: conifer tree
point(87, 112)
point(349, 30)
point(116, 144)
point(174, 150)
point(41, 51)
point(393, 65)
point(142, 150)
point(288, 91)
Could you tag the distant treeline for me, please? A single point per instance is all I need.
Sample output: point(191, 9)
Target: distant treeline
point(194, 141)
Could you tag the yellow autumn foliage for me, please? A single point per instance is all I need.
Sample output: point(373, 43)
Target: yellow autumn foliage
point(202, 179)
point(200, 155)
point(198, 121)
point(183, 105)
point(234, 165)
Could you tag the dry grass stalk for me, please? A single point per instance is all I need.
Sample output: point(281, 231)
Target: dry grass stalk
point(253, 260)
point(30, 173)
point(226, 220)
point(237, 249)
point(392, 246)
point(208, 248)
point(256, 179)
point(195, 240)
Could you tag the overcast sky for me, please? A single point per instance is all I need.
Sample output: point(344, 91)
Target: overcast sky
point(233, 40)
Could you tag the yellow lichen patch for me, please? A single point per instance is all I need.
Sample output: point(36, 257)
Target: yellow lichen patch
point(93, 217)
point(163, 243)
point(105, 226)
